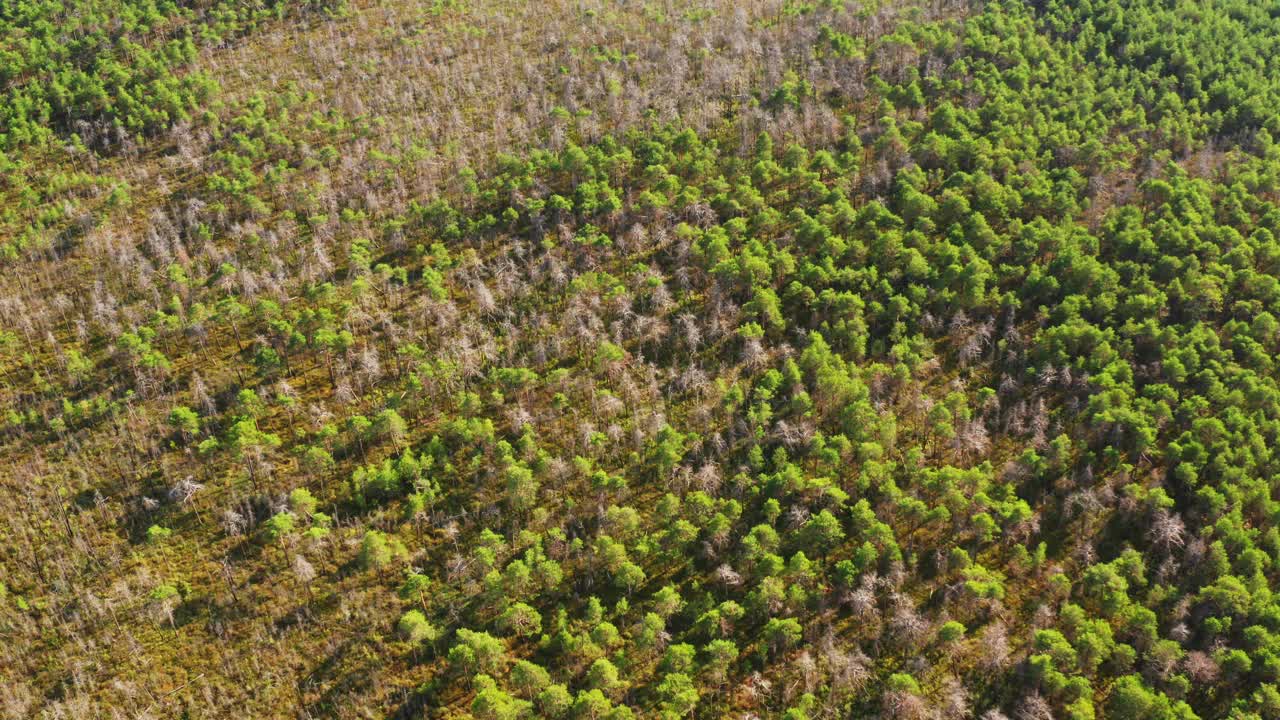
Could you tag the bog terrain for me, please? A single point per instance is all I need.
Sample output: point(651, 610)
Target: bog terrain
point(624, 359)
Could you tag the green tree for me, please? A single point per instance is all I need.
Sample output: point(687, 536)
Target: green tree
point(415, 629)
point(679, 696)
point(388, 424)
point(521, 620)
point(377, 550)
point(603, 676)
point(185, 421)
point(477, 651)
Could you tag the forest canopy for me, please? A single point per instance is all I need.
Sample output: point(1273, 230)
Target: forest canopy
point(706, 358)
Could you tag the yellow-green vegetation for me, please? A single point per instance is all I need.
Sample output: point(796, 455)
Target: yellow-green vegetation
point(602, 359)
